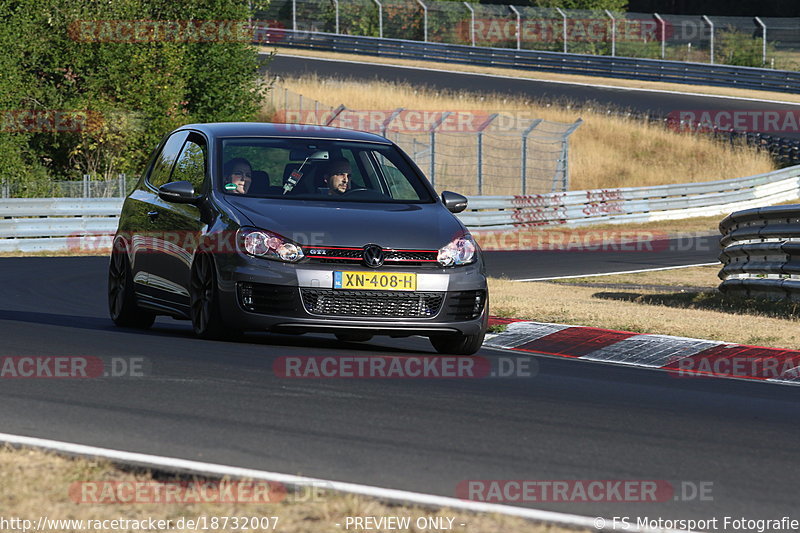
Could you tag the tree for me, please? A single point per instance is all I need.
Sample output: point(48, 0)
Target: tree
point(593, 5)
point(128, 89)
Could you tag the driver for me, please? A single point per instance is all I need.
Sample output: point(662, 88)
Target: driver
point(238, 175)
point(337, 177)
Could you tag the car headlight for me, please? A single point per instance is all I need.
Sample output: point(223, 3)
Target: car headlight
point(262, 243)
point(460, 251)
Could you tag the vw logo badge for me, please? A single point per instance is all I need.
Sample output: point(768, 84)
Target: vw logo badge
point(373, 255)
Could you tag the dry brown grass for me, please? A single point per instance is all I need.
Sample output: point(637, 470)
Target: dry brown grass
point(568, 302)
point(34, 484)
point(705, 277)
point(606, 151)
point(785, 60)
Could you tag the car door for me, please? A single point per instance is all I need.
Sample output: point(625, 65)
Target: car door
point(182, 223)
point(150, 229)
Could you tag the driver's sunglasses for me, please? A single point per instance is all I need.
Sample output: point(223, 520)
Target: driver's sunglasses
point(242, 174)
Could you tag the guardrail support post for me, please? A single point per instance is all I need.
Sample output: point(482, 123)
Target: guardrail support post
point(763, 40)
point(471, 23)
point(524, 154)
point(336, 7)
point(663, 34)
point(613, 35)
point(711, 27)
point(424, 21)
point(564, 18)
point(519, 26)
point(432, 131)
point(380, 18)
point(480, 150)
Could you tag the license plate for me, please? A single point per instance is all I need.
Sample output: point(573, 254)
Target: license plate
point(375, 281)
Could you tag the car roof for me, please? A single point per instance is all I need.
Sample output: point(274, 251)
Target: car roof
point(265, 129)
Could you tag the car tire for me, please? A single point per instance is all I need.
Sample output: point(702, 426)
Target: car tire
point(457, 344)
point(121, 298)
point(354, 337)
point(204, 300)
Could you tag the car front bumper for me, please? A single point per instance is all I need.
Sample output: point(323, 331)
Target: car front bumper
point(263, 295)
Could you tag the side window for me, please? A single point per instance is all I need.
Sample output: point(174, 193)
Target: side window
point(358, 181)
point(191, 164)
point(166, 159)
point(399, 187)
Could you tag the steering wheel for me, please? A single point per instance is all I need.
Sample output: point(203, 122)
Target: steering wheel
point(350, 191)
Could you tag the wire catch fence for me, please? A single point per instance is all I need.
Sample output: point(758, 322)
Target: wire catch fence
point(476, 153)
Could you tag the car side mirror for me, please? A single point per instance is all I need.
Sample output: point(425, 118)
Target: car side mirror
point(454, 202)
point(178, 192)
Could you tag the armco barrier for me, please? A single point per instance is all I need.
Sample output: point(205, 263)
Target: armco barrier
point(587, 65)
point(45, 224)
point(52, 224)
point(632, 204)
point(761, 252)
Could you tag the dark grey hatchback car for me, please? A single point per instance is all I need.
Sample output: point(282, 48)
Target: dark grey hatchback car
point(286, 228)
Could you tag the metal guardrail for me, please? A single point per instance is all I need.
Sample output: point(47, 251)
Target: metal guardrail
point(58, 224)
point(761, 252)
point(65, 207)
point(632, 204)
point(593, 31)
point(588, 65)
point(86, 224)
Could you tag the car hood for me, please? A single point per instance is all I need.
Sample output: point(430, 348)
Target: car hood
point(325, 223)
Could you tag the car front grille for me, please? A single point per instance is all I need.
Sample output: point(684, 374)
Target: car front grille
point(288, 301)
point(386, 304)
point(341, 255)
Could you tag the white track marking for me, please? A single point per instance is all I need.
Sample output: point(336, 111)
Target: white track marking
point(417, 498)
point(621, 272)
point(651, 351)
point(518, 333)
point(582, 84)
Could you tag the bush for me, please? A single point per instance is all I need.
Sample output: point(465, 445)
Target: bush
point(741, 49)
point(135, 92)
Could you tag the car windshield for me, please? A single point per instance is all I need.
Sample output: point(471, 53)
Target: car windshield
point(318, 169)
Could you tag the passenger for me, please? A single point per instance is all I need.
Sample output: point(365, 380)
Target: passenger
point(238, 175)
point(337, 177)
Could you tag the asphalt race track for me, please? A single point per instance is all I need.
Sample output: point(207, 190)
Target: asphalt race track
point(659, 103)
point(679, 251)
point(221, 402)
